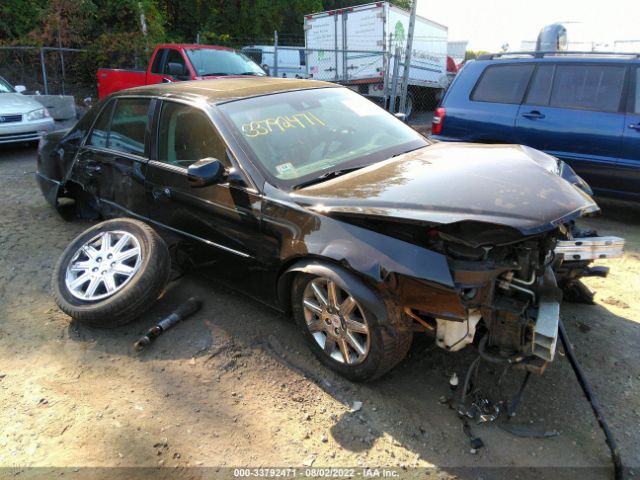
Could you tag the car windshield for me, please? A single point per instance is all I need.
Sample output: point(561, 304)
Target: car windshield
point(209, 61)
point(5, 87)
point(300, 136)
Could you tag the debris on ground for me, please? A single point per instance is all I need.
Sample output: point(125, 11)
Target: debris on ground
point(307, 462)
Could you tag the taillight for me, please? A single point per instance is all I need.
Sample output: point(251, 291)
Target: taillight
point(438, 119)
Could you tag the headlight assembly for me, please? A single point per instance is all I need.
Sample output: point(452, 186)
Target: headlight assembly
point(38, 114)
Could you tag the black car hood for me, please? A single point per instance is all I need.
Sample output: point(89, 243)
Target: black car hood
point(446, 183)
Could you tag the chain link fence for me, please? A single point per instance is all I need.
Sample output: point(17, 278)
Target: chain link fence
point(49, 70)
point(375, 74)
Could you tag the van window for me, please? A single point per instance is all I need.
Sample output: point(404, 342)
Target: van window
point(540, 88)
point(503, 84)
point(591, 87)
point(186, 135)
point(303, 58)
point(636, 104)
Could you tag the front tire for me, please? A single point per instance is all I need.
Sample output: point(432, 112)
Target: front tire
point(344, 334)
point(111, 273)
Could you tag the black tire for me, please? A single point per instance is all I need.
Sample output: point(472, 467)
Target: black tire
point(411, 105)
point(390, 337)
point(135, 295)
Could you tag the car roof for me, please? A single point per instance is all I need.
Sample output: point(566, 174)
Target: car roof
point(226, 89)
point(596, 57)
point(193, 46)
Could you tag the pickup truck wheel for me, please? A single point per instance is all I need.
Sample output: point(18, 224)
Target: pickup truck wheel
point(342, 333)
point(111, 273)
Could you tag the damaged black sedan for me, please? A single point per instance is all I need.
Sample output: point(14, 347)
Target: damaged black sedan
point(312, 199)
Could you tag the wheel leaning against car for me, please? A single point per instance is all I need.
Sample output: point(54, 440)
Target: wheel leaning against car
point(344, 334)
point(111, 273)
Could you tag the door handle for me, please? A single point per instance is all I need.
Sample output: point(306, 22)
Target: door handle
point(161, 192)
point(533, 115)
point(92, 169)
point(635, 126)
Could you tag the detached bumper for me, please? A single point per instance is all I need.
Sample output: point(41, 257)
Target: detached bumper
point(590, 248)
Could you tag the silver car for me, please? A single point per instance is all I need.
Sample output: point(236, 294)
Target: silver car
point(22, 119)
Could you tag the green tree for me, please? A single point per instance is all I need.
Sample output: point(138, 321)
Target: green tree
point(473, 54)
point(335, 4)
point(19, 17)
point(257, 19)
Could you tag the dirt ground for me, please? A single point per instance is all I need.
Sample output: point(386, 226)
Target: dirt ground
point(235, 386)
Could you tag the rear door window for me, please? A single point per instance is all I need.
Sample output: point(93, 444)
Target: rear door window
point(122, 126)
point(540, 88)
point(503, 84)
point(588, 87)
point(635, 101)
point(100, 132)
point(129, 125)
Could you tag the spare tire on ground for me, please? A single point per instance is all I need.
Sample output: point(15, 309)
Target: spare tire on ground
point(111, 273)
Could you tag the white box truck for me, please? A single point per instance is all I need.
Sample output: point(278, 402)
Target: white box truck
point(354, 46)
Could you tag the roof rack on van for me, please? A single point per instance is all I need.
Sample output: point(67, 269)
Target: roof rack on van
point(491, 56)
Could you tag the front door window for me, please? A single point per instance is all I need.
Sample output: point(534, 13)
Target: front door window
point(186, 135)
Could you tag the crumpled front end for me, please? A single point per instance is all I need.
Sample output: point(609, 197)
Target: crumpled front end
point(512, 297)
point(512, 294)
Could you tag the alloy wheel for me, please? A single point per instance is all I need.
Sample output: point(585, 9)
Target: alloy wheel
point(103, 265)
point(336, 321)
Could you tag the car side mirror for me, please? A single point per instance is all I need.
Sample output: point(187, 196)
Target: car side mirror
point(20, 88)
point(175, 69)
point(207, 171)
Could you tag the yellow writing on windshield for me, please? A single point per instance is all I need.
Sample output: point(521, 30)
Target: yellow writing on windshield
point(282, 123)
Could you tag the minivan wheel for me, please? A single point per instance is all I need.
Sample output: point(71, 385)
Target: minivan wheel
point(111, 273)
point(342, 332)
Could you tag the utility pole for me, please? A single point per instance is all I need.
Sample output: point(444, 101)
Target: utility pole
point(407, 58)
point(275, 53)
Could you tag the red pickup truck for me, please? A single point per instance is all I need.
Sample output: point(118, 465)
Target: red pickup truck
point(177, 62)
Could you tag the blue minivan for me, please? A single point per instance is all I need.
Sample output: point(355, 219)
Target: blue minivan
point(583, 108)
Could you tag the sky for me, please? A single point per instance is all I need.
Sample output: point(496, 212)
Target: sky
point(488, 24)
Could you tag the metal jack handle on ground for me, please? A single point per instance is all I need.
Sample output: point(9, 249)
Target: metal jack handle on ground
point(183, 311)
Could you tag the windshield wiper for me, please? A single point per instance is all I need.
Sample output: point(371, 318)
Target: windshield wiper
point(327, 176)
point(257, 74)
point(216, 74)
point(408, 151)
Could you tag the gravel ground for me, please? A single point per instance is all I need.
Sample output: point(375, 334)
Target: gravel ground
point(235, 386)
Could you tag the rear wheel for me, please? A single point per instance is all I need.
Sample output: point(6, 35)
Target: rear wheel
point(342, 332)
point(411, 104)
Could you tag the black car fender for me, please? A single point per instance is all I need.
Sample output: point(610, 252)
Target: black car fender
point(573, 178)
point(341, 276)
point(49, 166)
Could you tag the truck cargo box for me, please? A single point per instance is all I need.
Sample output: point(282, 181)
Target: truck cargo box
point(353, 45)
